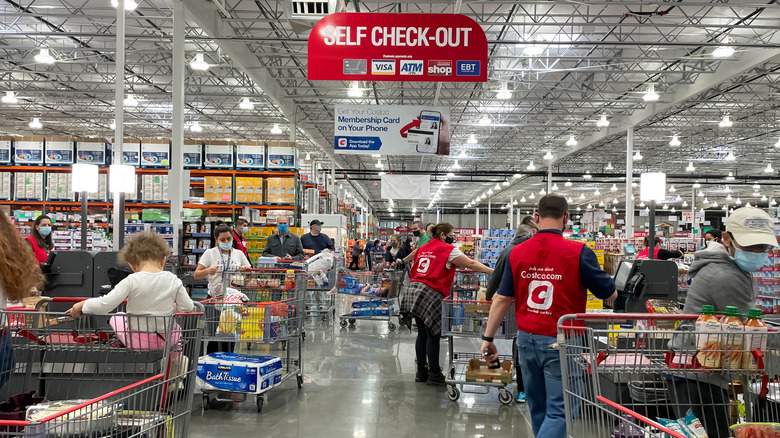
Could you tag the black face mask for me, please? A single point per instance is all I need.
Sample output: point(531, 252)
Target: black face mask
point(450, 240)
point(416, 233)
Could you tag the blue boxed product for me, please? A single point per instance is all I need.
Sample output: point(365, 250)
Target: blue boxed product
point(349, 285)
point(239, 372)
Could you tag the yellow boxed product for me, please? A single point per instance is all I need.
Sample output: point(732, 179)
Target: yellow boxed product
point(259, 190)
point(227, 189)
point(209, 188)
point(252, 324)
point(241, 189)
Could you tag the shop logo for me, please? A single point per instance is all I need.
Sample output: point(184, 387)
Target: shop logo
point(382, 67)
point(440, 68)
point(341, 142)
point(540, 295)
point(411, 68)
point(468, 68)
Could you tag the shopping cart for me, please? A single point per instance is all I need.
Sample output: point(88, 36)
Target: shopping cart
point(650, 364)
point(368, 296)
point(260, 306)
point(320, 303)
point(468, 372)
point(101, 375)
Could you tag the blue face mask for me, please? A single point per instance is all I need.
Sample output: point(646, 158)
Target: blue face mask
point(283, 228)
point(45, 231)
point(244, 230)
point(225, 246)
point(750, 261)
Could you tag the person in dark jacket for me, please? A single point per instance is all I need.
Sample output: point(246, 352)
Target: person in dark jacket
point(355, 263)
point(367, 252)
point(524, 232)
point(396, 251)
point(283, 244)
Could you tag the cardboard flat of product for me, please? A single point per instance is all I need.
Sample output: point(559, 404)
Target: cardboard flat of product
point(478, 371)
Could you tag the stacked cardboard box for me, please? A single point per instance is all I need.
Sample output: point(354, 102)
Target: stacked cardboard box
point(102, 192)
point(154, 188)
point(250, 190)
point(29, 185)
point(58, 186)
point(282, 155)
point(281, 191)
point(218, 189)
point(5, 185)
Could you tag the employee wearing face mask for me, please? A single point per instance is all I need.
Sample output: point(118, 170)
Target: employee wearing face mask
point(283, 245)
point(40, 241)
point(216, 263)
point(239, 236)
point(431, 280)
point(721, 275)
point(315, 240)
point(422, 236)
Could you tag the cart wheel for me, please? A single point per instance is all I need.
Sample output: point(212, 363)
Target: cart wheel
point(391, 326)
point(352, 321)
point(300, 381)
point(453, 393)
point(259, 403)
point(205, 402)
point(504, 396)
point(343, 323)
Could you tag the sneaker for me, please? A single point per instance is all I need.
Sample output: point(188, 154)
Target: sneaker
point(422, 374)
point(520, 397)
point(436, 379)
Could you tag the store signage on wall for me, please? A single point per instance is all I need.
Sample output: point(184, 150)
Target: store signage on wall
point(392, 130)
point(397, 47)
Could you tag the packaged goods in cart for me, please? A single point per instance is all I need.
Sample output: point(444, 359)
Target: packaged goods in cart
point(672, 425)
point(755, 338)
point(708, 341)
point(92, 419)
point(732, 338)
point(756, 430)
point(628, 428)
point(349, 286)
point(480, 371)
point(664, 307)
point(372, 308)
point(693, 426)
point(239, 372)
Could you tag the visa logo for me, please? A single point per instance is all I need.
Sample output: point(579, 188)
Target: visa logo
point(414, 68)
point(382, 67)
point(468, 68)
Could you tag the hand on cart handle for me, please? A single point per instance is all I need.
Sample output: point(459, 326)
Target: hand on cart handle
point(212, 270)
point(244, 268)
point(75, 311)
point(489, 351)
point(287, 257)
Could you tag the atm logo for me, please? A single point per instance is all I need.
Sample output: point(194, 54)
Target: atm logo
point(411, 67)
point(440, 68)
point(382, 67)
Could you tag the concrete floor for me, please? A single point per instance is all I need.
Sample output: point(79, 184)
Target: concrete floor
point(359, 382)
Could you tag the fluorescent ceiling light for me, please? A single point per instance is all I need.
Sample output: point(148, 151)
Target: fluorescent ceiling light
point(10, 98)
point(354, 90)
point(650, 94)
point(503, 92)
point(246, 104)
point(36, 123)
point(571, 141)
point(726, 122)
point(730, 177)
point(690, 167)
point(730, 156)
point(675, 141)
point(276, 130)
point(602, 122)
point(725, 50)
point(769, 168)
point(485, 120)
point(130, 5)
point(198, 63)
point(609, 166)
point(43, 57)
point(531, 166)
point(567, 183)
point(472, 140)
point(548, 156)
point(637, 156)
point(130, 101)
point(195, 127)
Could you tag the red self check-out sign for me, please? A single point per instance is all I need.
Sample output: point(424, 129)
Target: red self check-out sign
point(397, 47)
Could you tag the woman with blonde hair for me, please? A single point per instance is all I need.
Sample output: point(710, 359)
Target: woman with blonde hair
point(19, 270)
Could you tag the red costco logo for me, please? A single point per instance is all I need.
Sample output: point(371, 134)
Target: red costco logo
point(440, 68)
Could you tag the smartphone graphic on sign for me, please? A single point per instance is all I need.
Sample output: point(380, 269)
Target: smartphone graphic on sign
point(427, 135)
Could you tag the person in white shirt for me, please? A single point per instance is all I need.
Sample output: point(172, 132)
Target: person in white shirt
point(217, 263)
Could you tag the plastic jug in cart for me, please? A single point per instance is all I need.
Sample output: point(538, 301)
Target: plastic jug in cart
point(708, 339)
point(622, 430)
point(733, 335)
point(755, 338)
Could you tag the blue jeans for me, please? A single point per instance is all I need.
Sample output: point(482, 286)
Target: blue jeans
point(541, 368)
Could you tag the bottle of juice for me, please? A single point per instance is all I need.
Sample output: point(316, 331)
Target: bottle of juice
point(708, 343)
point(733, 333)
point(755, 338)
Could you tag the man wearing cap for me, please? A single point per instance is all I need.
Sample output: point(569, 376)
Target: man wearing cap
point(721, 275)
point(315, 240)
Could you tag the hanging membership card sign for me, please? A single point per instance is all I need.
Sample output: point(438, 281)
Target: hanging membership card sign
point(392, 130)
point(397, 47)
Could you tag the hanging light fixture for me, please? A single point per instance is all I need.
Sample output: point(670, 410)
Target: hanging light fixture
point(308, 156)
point(650, 94)
point(43, 57)
point(567, 183)
point(472, 140)
point(678, 198)
point(379, 164)
point(614, 209)
point(571, 141)
point(462, 154)
point(769, 168)
point(764, 198)
point(531, 166)
point(590, 207)
point(504, 92)
point(36, 123)
point(195, 127)
point(672, 189)
point(456, 166)
point(531, 196)
point(675, 141)
point(666, 206)
point(696, 185)
point(485, 120)
point(729, 197)
point(582, 196)
point(777, 145)
point(685, 203)
point(490, 192)
point(730, 177)
point(738, 201)
point(578, 208)
point(637, 156)
point(690, 167)
point(724, 50)
point(609, 166)
point(276, 130)
point(673, 210)
point(533, 50)
point(602, 122)
point(10, 98)
point(130, 101)
point(756, 194)
point(517, 175)
point(615, 201)
point(355, 90)
point(514, 202)
point(773, 202)
point(548, 156)
point(246, 104)
point(597, 192)
point(113, 124)
point(587, 175)
point(555, 187)
point(542, 192)
point(613, 188)
point(642, 204)
point(730, 156)
point(706, 201)
point(130, 5)
point(198, 63)
point(701, 194)
point(523, 199)
point(748, 205)
point(727, 189)
point(726, 122)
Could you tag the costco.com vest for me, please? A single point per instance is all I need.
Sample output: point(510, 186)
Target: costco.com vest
point(430, 266)
point(546, 272)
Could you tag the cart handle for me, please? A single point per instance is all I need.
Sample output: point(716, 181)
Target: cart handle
point(273, 270)
point(612, 316)
point(639, 417)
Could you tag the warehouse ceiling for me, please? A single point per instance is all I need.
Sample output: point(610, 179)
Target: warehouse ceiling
point(567, 63)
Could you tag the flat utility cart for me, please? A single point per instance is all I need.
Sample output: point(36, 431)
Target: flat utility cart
point(101, 375)
point(468, 372)
point(368, 296)
point(624, 372)
point(261, 306)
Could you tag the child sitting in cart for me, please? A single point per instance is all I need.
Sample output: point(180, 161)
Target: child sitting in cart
point(150, 292)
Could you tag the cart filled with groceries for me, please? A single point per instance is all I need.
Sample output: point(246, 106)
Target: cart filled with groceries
point(368, 296)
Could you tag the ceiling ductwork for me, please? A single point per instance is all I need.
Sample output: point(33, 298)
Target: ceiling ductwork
point(304, 14)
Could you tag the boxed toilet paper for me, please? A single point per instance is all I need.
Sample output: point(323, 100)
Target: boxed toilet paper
point(236, 372)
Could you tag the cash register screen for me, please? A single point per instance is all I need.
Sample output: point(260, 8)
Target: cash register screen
point(621, 276)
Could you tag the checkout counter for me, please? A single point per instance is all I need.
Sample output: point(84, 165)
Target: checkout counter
point(78, 274)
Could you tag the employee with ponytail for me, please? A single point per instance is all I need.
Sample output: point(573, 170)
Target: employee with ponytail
point(40, 241)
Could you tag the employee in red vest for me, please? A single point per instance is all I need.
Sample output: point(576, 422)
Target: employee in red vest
point(40, 239)
point(658, 252)
point(239, 236)
point(547, 276)
point(431, 280)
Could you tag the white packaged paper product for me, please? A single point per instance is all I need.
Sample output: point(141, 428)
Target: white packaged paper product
point(155, 153)
point(282, 157)
point(5, 151)
point(239, 372)
point(92, 419)
point(193, 155)
point(59, 151)
point(131, 152)
point(250, 155)
point(28, 152)
point(91, 151)
point(218, 156)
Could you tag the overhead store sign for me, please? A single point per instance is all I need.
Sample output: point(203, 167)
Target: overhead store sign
point(397, 47)
point(392, 130)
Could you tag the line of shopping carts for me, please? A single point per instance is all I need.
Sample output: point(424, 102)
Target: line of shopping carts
point(113, 375)
point(369, 295)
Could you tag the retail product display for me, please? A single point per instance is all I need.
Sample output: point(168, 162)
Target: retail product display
point(59, 151)
point(281, 191)
point(5, 186)
point(92, 151)
point(218, 155)
point(250, 155)
point(154, 188)
point(5, 149)
point(155, 152)
point(66, 240)
point(218, 189)
point(282, 155)
point(250, 190)
point(193, 154)
point(28, 151)
point(131, 151)
point(492, 243)
point(28, 186)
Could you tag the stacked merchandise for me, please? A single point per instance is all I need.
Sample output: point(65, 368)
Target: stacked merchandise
point(165, 231)
point(235, 372)
point(131, 229)
point(66, 240)
point(492, 243)
point(765, 284)
point(249, 190)
point(58, 186)
point(29, 186)
point(154, 188)
point(282, 155)
point(102, 193)
point(5, 186)
point(218, 189)
point(196, 240)
point(281, 191)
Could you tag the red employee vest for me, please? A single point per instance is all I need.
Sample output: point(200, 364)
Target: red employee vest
point(645, 254)
point(546, 273)
point(39, 253)
point(430, 266)
point(240, 244)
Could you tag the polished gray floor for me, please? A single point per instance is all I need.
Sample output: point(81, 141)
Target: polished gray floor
point(359, 382)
